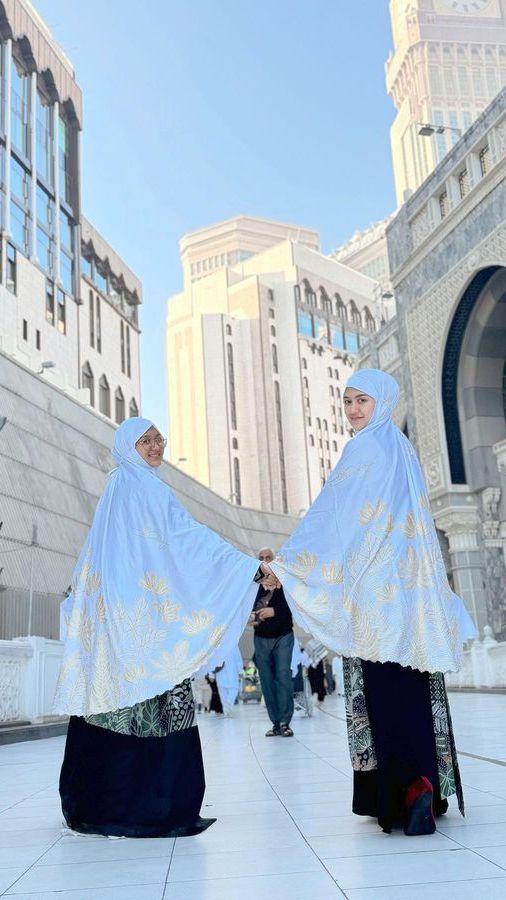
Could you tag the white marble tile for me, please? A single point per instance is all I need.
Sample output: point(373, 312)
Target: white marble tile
point(124, 892)
point(495, 854)
point(410, 868)
point(477, 889)
point(343, 845)
point(295, 886)
point(225, 865)
point(485, 835)
point(95, 875)
point(74, 850)
point(9, 876)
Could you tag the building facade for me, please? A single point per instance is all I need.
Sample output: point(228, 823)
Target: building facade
point(448, 63)
point(258, 354)
point(46, 286)
point(366, 251)
point(447, 348)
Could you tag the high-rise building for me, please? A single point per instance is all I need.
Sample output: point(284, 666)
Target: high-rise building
point(448, 63)
point(258, 353)
point(66, 297)
point(366, 251)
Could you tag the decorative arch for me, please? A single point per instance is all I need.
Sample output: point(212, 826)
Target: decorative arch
point(472, 379)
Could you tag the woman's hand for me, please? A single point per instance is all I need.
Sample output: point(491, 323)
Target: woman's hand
point(270, 582)
point(266, 613)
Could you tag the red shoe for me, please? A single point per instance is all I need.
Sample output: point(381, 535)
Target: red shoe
point(419, 812)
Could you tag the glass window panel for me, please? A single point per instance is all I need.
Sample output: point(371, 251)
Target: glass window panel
point(44, 140)
point(86, 267)
point(337, 337)
point(19, 187)
point(61, 322)
point(320, 326)
point(66, 272)
point(19, 110)
point(305, 323)
point(43, 249)
point(100, 281)
point(50, 302)
point(65, 231)
point(351, 341)
point(19, 227)
point(44, 209)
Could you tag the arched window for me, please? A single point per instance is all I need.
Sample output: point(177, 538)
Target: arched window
point(341, 311)
point(334, 446)
point(329, 372)
point(273, 330)
point(88, 381)
point(296, 293)
point(104, 396)
point(133, 409)
point(304, 363)
point(228, 329)
point(119, 406)
point(325, 302)
point(369, 322)
point(356, 318)
point(274, 358)
point(235, 444)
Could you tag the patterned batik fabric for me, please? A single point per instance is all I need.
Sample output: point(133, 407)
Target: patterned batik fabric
point(157, 717)
point(360, 738)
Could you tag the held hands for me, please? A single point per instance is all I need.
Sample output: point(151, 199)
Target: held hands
point(270, 582)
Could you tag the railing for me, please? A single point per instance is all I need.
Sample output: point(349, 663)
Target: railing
point(28, 671)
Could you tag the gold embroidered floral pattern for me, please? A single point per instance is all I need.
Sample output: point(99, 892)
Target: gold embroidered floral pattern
point(197, 622)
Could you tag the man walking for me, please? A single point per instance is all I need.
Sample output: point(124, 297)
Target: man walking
point(273, 624)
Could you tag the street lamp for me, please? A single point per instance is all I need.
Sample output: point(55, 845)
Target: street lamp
point(46, 365)
point(425, 129)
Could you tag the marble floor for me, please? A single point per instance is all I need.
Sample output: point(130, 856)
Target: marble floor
point(284, 830)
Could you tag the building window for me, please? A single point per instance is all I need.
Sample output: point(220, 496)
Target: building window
point(88, 381)
point(463, 179)
point(341, 311)
point(50, 302)
point(334, 446)
point(100, 280)
point(92, 321)
point(311, 440)
point(12, 270)
point(356, 318)
point(64, 160)
point(370, 324)
point(304, 363)
point(231, 386)
point(128, 359)
point(281, 449)
point(237, 482)
point(86, 267)
point(20, 109)
point(273, 331)
point(274, 358)
point(119, 406)
point(25, 330)
point(133, 409)
point(37, 339)
point(44, 136)
point(45, 229)
point(61, 323)
point(270, 294)
point(20, 206)
point(272, 314)
point(104, 396)
point(336, 375)
point(228, 329)
point(98, 324)
point(235, 444)
point(296, 293)
point(444, 206)
point(329, 372)
point(122, 343)
point(485, 160)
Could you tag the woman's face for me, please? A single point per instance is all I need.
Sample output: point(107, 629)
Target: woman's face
point(358, 408)
point(151, 446)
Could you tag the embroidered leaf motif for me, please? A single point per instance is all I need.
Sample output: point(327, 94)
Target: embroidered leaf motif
point(387, 593)
point(153, 584)
point(197, 622)
point(169, 611)
point(424, 502)
point(304, 564)
point(169, 665)
point(411, 527)
point(415, 569)
point(135, 673)
point(371, 511)
point(100, 608)
point(216, 635)
point(318, 603)
point(389, 524)
point(333, 574)
point(93, 582)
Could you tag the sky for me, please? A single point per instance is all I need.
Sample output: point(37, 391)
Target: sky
point(199, 110)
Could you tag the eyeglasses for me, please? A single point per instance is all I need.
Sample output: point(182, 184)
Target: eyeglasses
point(157, 441)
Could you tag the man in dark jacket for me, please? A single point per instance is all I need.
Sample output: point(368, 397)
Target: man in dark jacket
point(272, 621)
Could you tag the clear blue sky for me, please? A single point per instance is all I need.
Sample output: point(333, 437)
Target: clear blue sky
point(198, 110)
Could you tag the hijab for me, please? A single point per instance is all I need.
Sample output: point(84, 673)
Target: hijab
point(363, 572)
point(155, 595)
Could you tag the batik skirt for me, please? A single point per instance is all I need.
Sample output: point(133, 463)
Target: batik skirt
point(137, 771)
point(399, 728)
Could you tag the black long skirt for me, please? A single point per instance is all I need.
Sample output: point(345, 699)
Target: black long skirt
point(394, 709)
point(134, 785)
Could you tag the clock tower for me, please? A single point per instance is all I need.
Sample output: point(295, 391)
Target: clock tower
point(448, 63)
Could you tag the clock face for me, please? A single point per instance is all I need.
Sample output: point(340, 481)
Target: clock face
point(466, 7)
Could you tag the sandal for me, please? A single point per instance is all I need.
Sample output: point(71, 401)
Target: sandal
point(420, 815)
point(286, 731)
point(273, 732)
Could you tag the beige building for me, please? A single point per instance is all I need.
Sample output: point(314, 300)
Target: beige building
point(448, 63)
point(66, 298)
point(366, 252)
point(258, 354)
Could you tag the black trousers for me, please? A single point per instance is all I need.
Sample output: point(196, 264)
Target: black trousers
point(399, 708)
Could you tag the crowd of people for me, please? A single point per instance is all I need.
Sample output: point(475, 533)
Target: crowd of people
point(158, 600)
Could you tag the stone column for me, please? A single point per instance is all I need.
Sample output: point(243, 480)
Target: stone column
point(461, 525)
